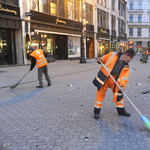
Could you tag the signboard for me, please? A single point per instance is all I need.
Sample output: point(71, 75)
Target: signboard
point(28, 14)
point(131, 46)
point(138, 46)
point(9, 10)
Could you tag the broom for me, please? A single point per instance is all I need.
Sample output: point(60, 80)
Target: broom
point(145, 120)
point(13, 86)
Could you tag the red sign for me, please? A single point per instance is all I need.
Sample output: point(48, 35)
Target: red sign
point(138, 46)
point(131, 46)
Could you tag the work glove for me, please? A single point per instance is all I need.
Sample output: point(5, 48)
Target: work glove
point(31, 69)
point(121, 88)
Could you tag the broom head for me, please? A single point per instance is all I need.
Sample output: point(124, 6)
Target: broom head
point(13, 86)
point(146, 121)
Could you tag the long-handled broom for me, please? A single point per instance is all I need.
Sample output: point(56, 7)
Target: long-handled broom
point(13, 86)
point(145, 120)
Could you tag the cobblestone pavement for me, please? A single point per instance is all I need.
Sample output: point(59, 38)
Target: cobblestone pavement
point(60, 117)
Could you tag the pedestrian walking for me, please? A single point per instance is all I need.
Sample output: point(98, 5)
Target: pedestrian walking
point(38, 58)
point(118, 67)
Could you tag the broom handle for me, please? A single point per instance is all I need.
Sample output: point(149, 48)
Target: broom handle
point(24, 75)
point(119, 87)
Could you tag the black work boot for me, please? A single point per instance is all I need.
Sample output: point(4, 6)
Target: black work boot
point(122, 111)
point(96, 113)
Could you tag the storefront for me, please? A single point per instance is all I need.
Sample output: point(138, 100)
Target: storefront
point(89, 41)
point(122, 42)
point(103, 41)
point(9, 26)
point(62, 36)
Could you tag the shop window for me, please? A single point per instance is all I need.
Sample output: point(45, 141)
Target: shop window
point(73, 46)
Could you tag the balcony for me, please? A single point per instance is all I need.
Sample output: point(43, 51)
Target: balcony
point(135, 10)
point(139, 23)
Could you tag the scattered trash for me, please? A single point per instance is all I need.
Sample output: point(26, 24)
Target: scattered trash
point(133, 69)
point(144, 92)
point(149, 76)
point(87, 138)
point(138, 84)
point(70, 85)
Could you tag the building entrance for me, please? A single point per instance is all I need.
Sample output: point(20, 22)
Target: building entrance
point(61, 51)
point(7, 47)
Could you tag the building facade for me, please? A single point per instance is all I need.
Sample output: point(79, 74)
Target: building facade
point(139, 25)
point(60, 24)
point(10, 33)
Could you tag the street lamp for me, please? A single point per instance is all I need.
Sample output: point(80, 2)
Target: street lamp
point(82, 59)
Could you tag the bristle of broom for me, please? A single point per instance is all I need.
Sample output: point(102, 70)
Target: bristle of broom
point(13, 86)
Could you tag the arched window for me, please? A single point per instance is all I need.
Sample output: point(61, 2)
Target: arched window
point(131, 5)
point(139, 18)
point(139, 5)
point(131, 18)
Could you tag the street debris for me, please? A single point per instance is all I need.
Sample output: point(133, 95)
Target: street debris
point(133, 69)
point(149, 76)
point(87, 138)
point(144, 92)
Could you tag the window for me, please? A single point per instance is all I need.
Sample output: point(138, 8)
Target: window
point(113, 22)
point(149, 31)
point(53, 7)
point(14, 2)
point(113, 5)
point(139, 18)
point(43, 6)
point(89, 14)
point(131, 18)
point(139, 31)
point(73, 46)
point(70, 9)
point(139, 43)
point(139, 5)
point(103, 19)
point(131, 5)
point(149, 18)
point(130, 31)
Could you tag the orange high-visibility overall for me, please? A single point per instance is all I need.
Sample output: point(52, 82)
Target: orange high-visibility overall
point(103, 81)
point(40, 58)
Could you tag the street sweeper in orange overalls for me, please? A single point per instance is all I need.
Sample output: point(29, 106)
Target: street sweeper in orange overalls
point(117, 66)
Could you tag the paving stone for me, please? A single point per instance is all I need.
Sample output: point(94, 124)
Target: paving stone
point(60, 116)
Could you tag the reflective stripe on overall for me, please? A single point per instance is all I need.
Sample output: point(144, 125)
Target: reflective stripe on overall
point(122, 80)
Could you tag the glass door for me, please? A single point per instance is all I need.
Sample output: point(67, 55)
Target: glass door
point(7, 47)
point(3, 47)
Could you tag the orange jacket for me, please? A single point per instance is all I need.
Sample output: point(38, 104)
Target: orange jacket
point(109, 61)
point(40, 58)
